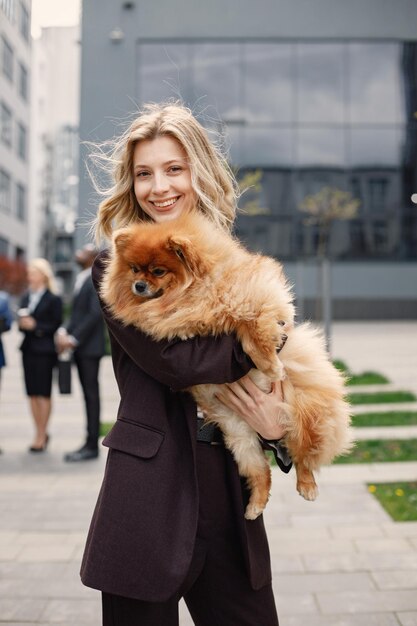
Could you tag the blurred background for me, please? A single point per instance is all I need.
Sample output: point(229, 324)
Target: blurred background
point(315, 103)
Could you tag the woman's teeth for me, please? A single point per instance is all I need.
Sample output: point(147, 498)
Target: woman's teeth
point(162, 205)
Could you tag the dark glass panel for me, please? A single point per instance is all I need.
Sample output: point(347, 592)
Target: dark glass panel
point(217, 80)
point(163, 72)
point(266, 147)
point(321, 83)
point(323, 146)
point(269, 94)
point(375, 83)
point(375, 147)
point(266, 191)
point(267, 234)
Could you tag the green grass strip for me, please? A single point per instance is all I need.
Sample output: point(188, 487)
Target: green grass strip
point(390, 418)
point(381, 451)
point(341, 365)
point(367, 378)
point(398, 499)
point(381, 397)
point(105, 427)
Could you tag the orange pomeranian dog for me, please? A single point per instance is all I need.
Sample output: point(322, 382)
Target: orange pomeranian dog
point(186, 277)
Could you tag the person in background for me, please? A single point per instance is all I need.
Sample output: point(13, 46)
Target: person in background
point(84, 334)
point(5, 325)
point(169, 520)
point(39, 317)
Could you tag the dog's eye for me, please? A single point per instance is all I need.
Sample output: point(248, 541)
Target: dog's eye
point(158, 271)
point(134, 269)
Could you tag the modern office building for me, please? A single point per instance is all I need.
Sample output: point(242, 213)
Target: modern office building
point(55, 147)
point(15, 87)
point(305, 95)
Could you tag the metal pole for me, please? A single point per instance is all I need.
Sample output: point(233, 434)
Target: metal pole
point(326, 300)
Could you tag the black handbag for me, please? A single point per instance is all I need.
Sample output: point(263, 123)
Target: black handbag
point(64, 375)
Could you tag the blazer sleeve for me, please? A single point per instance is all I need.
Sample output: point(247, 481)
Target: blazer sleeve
point(88, 322)
point(51, 318)
point(178, 364)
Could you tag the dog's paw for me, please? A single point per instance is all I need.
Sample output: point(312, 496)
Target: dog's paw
point(253, 511)
point(308, 490)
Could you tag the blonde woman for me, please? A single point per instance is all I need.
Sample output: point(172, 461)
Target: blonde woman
point(169, 522)
point(39, 317)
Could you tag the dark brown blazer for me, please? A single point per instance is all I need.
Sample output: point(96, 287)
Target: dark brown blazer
point(142, 533)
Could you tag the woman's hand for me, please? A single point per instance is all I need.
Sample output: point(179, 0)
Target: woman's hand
point(27, 323)
point(260, 410)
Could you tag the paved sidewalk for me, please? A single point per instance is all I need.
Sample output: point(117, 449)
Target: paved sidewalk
point(339, 561)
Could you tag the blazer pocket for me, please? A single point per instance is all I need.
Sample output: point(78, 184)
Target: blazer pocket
point(133, 438)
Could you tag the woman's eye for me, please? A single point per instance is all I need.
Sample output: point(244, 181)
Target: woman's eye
point(176, 168)
point(142, 174)
point(158, 271)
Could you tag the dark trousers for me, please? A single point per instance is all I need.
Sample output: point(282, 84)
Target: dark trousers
point(216, 590)
point(88, 368)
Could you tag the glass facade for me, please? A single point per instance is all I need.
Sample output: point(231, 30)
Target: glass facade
point(299, 116)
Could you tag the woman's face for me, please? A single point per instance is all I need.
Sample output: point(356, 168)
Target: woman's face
point(162, 178)
point(36, 279)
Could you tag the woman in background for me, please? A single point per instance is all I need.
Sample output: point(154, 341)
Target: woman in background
point(40, 316)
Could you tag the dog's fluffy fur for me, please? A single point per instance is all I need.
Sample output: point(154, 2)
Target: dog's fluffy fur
point(184, 278)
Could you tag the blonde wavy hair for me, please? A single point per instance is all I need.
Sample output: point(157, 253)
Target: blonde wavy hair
point(43, 266)
point(211, 177)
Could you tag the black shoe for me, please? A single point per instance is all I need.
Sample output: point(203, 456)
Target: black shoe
point(40, 448)
point(83, 454)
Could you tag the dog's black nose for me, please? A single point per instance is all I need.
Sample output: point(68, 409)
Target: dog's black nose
point(140, 286)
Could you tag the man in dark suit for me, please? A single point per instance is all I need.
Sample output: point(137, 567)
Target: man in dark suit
point(84, 334)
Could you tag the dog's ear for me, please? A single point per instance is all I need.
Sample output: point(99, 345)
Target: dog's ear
point(188, 254)
point(121, 238)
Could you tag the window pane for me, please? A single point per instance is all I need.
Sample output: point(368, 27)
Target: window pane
point(216, 80)
point(23, 81)
point(5, 125)
point(163, 72)
point(20, 202)
point(268, 82)
point(24, 21)
point(321, 146)
point(21, 143)
point(267, 147)
point(7, 59)
point(375, 85)
point(5, 192)
point(375, 147)
point(320, 75)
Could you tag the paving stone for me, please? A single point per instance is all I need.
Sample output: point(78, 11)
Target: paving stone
point(408, 618)
point(382, 545)
point(295, 603)
point(377, 619)
point(288, 564)
point(370, 531)
point(311, 583)
point(399, 579)
point(24, 610)
point(367, 601)
point(350, 562)
point(281, 535)
point(66, 611)
point(400, 529)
